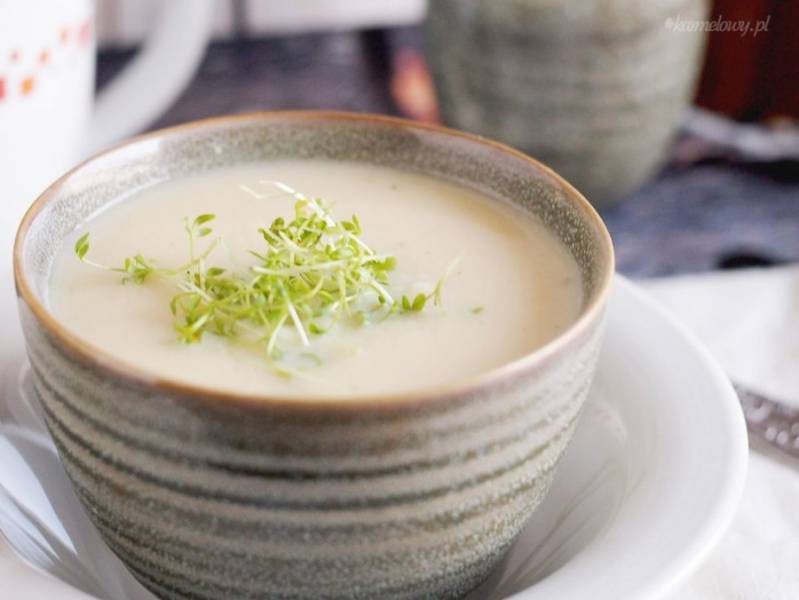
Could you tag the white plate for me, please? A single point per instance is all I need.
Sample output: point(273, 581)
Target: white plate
point(644, 492)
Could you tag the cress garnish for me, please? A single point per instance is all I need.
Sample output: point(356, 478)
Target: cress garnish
point(313, 273)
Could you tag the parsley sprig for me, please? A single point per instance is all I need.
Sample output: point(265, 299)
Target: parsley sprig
point(312, 274)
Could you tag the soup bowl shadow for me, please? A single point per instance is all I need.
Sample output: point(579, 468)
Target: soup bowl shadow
point(205, 494)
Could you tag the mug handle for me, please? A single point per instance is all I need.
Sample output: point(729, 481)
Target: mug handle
point(156, 77)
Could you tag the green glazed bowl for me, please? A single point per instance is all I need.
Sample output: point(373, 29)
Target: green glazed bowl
point(594, 88)
point(208, 495)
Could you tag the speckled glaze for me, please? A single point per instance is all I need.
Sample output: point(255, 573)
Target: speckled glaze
point(208, 495)
point(594, 88)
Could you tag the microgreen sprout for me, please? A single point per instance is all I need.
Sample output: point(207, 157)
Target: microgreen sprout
point(313, 273)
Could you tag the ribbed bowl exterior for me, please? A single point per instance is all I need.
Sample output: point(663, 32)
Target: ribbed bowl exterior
point(202, 500)
point(209, 496)
point(595, 89)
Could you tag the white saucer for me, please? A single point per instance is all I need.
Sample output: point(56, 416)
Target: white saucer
point(646, 489)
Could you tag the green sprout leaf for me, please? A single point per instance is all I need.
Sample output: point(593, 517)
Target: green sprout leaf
point(419, 302)
point(82, 246)
point(202, 219)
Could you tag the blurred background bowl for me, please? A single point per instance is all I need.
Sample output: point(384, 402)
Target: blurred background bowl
point(595, 89)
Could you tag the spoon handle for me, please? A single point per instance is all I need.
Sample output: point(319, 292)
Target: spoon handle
point(770, 421)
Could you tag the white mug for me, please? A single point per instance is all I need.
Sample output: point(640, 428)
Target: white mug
point(49, 119)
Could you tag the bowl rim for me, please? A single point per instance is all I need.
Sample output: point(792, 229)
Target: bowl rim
point(104, 361)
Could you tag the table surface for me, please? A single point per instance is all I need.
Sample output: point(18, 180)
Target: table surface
point(687, 219)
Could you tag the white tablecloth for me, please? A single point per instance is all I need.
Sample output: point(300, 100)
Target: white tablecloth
point(750, 321)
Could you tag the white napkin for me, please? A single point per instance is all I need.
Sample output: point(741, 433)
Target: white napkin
point(750, 321)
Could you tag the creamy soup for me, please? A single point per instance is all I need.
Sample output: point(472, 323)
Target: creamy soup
point(511, 286)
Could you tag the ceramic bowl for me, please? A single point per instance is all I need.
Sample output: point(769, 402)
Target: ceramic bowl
point(595, 89)
point(211, 495)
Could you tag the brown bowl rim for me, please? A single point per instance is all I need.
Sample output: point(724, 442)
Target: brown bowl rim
point(105, 361)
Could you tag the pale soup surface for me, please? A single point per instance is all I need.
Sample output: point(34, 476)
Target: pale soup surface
point(515, 286)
